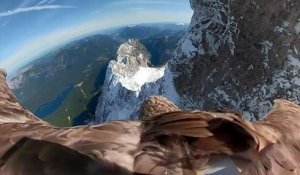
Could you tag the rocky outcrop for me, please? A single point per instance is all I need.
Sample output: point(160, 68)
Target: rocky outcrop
point(129, 81)
point(212, 26)
point(239, 54)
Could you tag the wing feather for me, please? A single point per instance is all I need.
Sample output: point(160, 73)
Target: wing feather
point(277, 159)
point(284, 120)
point(32, 157)
point(10, 109)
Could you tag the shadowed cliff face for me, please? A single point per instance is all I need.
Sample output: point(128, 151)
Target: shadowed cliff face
point(239, 54)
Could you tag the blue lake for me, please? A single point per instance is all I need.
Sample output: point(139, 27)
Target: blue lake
point(49, 107)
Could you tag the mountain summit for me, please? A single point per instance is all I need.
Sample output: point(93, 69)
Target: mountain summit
point(129, 81)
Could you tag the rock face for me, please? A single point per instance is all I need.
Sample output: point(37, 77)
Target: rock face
point(239, 54)
point(129, 81)
point(212, 27)
point(236, 54)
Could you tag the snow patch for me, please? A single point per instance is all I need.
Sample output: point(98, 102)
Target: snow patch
point(282, 27)
point(130, 26)
point(188, 48)
point(120, 103)
point(143, 76)
point(296, 50)
point(266, 46)
point(297, 27)
point(79, 84)
point(180, 24)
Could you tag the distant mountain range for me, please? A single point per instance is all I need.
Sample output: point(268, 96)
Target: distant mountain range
point(66, 83)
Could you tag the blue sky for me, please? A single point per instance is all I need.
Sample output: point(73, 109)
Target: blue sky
point(30, 28)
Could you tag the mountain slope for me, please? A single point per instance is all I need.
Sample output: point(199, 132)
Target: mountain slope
point(243, 57)
point(61, 84)
point(129, 81)
point(162, 46)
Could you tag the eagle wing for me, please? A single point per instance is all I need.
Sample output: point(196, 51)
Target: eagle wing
point(283, 120)
point(11, 111)
point(280, 126)
point(186, 142)
point(33, 157)
point(112, 141)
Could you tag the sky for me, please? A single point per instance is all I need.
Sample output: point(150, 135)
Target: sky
point(31, 28)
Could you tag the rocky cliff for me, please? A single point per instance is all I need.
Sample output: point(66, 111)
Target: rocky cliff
point(129, 81)
point(239, 54)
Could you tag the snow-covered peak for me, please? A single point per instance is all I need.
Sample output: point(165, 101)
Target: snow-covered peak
point(131, 67)
point(129, 81)
point(130, 57)
point(133, 53)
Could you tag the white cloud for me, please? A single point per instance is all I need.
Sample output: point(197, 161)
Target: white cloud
point(33, 8)
point(46, 2)
point(42, 2)
point(26, 3)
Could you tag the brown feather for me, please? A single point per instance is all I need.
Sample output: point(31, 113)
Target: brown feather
point(156, 105)
point(33, 157)
point(281, 127)
point(90, 140)
point(10, 109)
point(179, 142)
point(284, 119)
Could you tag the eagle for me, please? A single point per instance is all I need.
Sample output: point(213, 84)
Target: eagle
point(165, 140)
